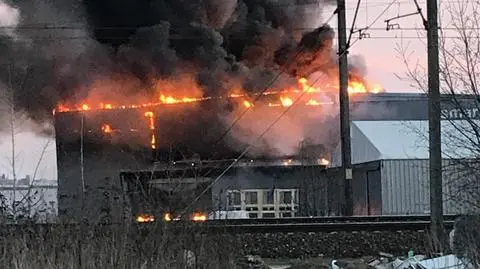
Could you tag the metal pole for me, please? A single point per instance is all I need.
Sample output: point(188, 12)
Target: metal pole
point(344, 108)
point(434, 110)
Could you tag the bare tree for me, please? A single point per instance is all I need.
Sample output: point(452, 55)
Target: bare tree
point(459, 52)
point(25, 201)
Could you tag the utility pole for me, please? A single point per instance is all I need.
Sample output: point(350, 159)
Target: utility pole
point(344, 108)
point(434, 129)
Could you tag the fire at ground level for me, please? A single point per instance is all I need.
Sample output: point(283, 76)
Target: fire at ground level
point(293, 185)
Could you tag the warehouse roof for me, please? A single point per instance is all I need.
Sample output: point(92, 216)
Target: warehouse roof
point(377, 140)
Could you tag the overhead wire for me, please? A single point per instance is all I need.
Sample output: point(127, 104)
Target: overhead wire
point(259, 95)
point(48, 28)
point(250, 145)
point(245, 151)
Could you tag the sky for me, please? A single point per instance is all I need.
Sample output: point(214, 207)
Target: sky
point(380, 50)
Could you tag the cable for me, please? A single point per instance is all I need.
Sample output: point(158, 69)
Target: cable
point(238, 118)
point(48, 28)
point(251, 144)
point(363, 38)
point(380, 15)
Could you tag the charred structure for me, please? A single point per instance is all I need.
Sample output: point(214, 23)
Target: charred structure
point(126, 145)
point(94, 146)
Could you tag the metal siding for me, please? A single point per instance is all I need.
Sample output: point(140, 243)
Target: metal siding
point(401, 180)
point(374, 192)
point(405, 188)
point(359, 191)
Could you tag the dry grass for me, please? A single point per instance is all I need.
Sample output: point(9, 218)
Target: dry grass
point(110, 248)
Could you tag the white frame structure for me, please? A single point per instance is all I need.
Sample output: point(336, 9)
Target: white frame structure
point(262, 208)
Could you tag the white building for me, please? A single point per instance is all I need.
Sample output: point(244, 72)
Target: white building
point(391, 167)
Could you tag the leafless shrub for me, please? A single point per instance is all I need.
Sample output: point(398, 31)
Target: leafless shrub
point(459, 52)
point(111, 247)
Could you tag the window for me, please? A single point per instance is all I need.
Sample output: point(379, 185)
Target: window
point(285, 197)
point(268, 197)
point(234, 198)
point(251, 197)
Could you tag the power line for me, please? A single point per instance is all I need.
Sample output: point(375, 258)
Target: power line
point(249, 146)
point(85, 38)
point(49, 28)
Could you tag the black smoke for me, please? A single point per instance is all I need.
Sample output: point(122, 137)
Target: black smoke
point(60, 50)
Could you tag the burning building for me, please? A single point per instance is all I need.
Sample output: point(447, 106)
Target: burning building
point(166, 87)
point(95, 143)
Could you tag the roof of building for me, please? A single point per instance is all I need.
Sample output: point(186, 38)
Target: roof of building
point(380, 140)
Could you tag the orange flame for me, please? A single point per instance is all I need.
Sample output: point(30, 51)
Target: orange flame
point(106, 128)
point(151, 125)
point(247, 104)
point(286, 101)
point(171, 100)
point(288, 95)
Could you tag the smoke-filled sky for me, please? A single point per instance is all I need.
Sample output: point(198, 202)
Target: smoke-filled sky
point(131, 45)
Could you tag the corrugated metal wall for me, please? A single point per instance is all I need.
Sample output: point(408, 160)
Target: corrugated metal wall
point(405, 187)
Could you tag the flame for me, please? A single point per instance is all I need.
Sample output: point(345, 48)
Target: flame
point(106, 128)
point(324, 161)
point(171, 100)
point(106, 106)
point(247, 104)
point(355, 86)
point(151, 125)
point(151, 121)
point(312, 102)
point(286, 101)
point(199, 217)
point(145, 218)
point(153, 142)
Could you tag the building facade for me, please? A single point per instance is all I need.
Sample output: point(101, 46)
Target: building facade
point(94, 146)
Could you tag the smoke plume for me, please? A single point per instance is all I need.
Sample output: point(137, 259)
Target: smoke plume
point(67, 52)
point(9, 19)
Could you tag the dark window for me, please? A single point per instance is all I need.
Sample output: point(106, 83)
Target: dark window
point(251, 197)
point(286, 197)
point(268, 197)
point(234, 199)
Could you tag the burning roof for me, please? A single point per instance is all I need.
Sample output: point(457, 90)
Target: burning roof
point(152, 55)
point(315, 96)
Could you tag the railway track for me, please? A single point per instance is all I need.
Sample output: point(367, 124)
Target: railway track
point(317, 224)
point(286, 225)
point(356, 219)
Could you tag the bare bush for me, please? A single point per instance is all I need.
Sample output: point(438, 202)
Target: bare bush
point(111, 247)
point(459, 52)
point(27, 202)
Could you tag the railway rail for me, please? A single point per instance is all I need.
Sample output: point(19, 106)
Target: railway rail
point(339, 219)
point(317, 224)
point(286, 225)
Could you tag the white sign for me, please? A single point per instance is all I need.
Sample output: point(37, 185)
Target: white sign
point(457, 113)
